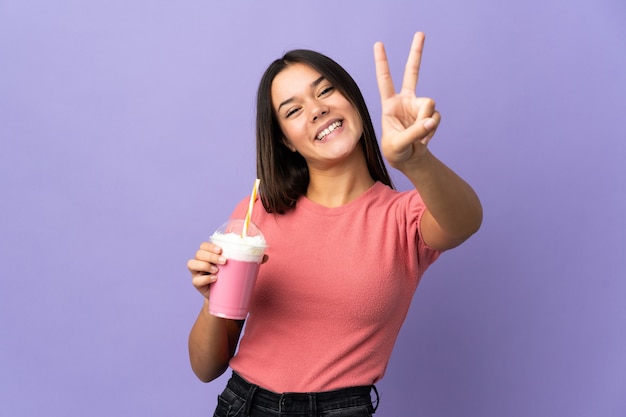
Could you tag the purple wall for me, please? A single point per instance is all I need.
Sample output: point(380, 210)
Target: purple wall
point(126, 137)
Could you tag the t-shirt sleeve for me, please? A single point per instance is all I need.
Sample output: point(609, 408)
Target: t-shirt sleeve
point(415, 209)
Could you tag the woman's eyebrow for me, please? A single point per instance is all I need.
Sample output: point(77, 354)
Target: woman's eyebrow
point(313, 85)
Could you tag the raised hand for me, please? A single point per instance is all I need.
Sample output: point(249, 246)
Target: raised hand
point(408, 121)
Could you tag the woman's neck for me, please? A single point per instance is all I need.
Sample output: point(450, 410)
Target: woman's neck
point(336, 186)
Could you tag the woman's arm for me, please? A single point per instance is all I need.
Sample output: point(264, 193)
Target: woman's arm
point(454, 211)
point(212, 340)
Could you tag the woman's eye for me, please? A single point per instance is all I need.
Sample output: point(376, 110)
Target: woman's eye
point(327, 90)
point(291, 112)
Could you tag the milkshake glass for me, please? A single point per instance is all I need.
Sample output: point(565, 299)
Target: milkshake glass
point(230, 295)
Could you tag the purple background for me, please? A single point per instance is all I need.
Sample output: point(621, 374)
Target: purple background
point(127, 136)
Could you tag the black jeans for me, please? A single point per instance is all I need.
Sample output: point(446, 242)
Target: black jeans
point(243, 399)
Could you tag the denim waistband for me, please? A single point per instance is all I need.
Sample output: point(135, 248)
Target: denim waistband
point(312, 402)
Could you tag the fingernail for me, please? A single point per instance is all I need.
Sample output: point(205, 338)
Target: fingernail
point(222, 259)
point(429, 124)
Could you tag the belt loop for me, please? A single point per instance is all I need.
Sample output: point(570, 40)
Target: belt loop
point(249, 397)
point(313, 403)
point(377, 397)
point(281, 402)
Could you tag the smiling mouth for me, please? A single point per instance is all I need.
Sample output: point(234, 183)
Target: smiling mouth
point(329, 129)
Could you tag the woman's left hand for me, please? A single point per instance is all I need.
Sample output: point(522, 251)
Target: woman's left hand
point(408, 121)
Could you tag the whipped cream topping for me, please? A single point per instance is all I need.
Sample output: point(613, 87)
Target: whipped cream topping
point(246, 249)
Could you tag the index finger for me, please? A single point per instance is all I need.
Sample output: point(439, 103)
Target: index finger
point(412, 68)
point(385, 83)
point(210, 246)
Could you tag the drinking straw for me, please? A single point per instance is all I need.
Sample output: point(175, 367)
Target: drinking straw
point(253, 195)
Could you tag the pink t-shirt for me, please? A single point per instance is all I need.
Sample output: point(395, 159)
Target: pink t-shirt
point(329, 303)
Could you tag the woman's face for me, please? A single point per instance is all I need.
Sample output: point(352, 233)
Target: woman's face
point(317, 121)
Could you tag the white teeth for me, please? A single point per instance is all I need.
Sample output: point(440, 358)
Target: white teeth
point(329, 129)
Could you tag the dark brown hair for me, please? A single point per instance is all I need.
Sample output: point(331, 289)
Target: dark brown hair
point(284, 174)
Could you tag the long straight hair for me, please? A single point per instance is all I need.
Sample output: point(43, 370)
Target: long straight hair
point(284, 174)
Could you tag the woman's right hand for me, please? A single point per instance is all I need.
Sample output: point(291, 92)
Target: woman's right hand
point(204, 266)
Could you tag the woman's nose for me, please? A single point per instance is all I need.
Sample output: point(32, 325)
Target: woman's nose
point(319, 112)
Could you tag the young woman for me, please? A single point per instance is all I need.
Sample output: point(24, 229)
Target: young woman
point(347, 251)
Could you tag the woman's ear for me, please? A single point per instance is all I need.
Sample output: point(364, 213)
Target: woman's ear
point(288, 144)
